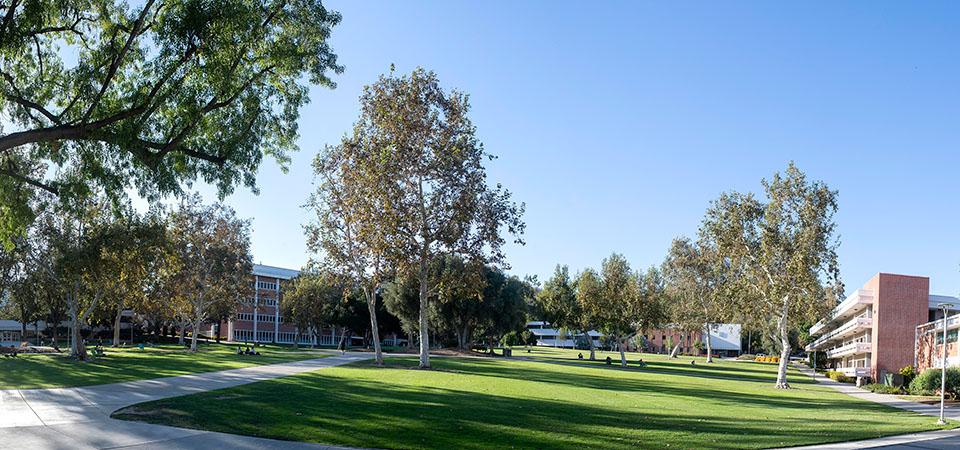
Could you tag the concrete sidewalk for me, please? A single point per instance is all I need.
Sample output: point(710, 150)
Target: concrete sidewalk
point(79, 418)
point(941, 439)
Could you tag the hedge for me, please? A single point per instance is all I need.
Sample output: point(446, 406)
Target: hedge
point(928, 382)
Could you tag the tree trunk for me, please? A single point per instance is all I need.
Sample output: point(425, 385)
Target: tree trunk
point(593, 350)
point(623, 356)
point(193, 335)
point(372, 306)
point(785, 349)
point(116, 327)
point(183, 331)
point(424, 330)
point(709, 346)
point(676, 349)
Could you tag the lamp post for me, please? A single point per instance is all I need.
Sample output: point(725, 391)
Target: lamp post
point(943, 367)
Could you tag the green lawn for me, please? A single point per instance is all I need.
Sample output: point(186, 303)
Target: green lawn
point(543, 399)
point(28, 371)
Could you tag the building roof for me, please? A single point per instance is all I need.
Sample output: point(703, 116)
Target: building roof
point(13, 325)
point(938, 299)
point(274, 272)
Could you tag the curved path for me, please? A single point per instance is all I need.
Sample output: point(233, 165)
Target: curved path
point(79, 418)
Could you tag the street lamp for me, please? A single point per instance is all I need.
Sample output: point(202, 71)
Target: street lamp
point(943, 367)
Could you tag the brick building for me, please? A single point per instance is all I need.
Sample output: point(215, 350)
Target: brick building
point(259, 319)
point(875, 330)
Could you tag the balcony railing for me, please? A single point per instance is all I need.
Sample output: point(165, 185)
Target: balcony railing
point(860, 297)
point(853, 348)
point(852, 326)
point(854, 371)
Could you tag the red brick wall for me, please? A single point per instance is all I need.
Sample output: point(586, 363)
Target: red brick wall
point(900, 304)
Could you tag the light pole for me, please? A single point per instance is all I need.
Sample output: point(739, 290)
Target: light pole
point(943, 367)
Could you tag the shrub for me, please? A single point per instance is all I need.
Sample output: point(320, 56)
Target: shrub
point(747, 357)
point(908, 373)
point(838, 376)
point(928, 382)
point(878, 388)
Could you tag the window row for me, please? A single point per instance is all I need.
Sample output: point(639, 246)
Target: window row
point(269, 285)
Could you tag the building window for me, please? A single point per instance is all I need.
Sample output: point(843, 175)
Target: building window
point(268, 285)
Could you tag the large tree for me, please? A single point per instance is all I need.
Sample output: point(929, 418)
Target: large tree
point(557, 301)
point(590, 304)
point(151, 95)
point(695, 277)
point(213, 247)
point(782, 252)
point(417, 169)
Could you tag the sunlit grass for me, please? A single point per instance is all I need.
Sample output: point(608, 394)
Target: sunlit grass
point(542, 399)
point(28, 371)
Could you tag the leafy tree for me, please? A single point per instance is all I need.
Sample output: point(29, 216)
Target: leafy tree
point(314, 300)
point(590, 304)
point(415, 159)
point(462, 302)
point(402, 300)
point(503, 306)
point(695, 275)
point(782, 252)
point(151, 95)
point(557, 301)
point(213, 245)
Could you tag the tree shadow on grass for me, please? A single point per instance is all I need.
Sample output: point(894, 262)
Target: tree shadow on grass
point(344, 411)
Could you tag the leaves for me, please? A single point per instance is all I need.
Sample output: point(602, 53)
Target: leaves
point(158, 96)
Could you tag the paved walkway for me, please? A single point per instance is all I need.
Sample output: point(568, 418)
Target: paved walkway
point(929, 440)
point(79, 418)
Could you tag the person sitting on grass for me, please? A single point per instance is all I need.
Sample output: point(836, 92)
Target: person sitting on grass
point(239, 350)
point(693, 362)
point(609, 361)
point(579, 355)
point(642, 364)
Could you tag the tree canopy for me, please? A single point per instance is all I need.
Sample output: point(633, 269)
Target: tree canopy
point(151, 96)
point(781, 251)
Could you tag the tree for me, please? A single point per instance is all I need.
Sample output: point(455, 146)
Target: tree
point(463, 298)
point(213, 246)
point(314, 300)
point(695, 277)
point(557, 301)
point(153, 95)
point(503, 305)
point(590, 304)
point(781, 251)
point(416, 170)
point(622, 301)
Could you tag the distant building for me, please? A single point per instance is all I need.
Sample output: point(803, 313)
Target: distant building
point(548, 336)
point(11, 332)
point(724, 339)
point(259, 319)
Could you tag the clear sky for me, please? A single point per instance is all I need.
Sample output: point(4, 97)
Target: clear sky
point(617, 123)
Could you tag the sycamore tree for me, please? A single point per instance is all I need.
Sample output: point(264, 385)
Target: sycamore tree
point(590, 304)
point(782, 252)
point(151, 95)
point(695, 276)
point(417, 177)
point(213, 247)
point(557, 301)
point(314, 300)
point(624, 302)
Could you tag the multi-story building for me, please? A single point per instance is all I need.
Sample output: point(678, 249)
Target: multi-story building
point(259, 318)
point(875, 331)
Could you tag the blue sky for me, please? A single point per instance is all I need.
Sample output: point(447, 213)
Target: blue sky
point(617, 123)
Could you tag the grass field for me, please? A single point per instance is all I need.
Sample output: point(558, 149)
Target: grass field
point(28, 371)
point(543, 399)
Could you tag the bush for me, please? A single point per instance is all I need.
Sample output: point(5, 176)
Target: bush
point(928, 382)
point(909, 373)
point(838, 376)
point(767, 359)
point(878, 388)
point(747, 357)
